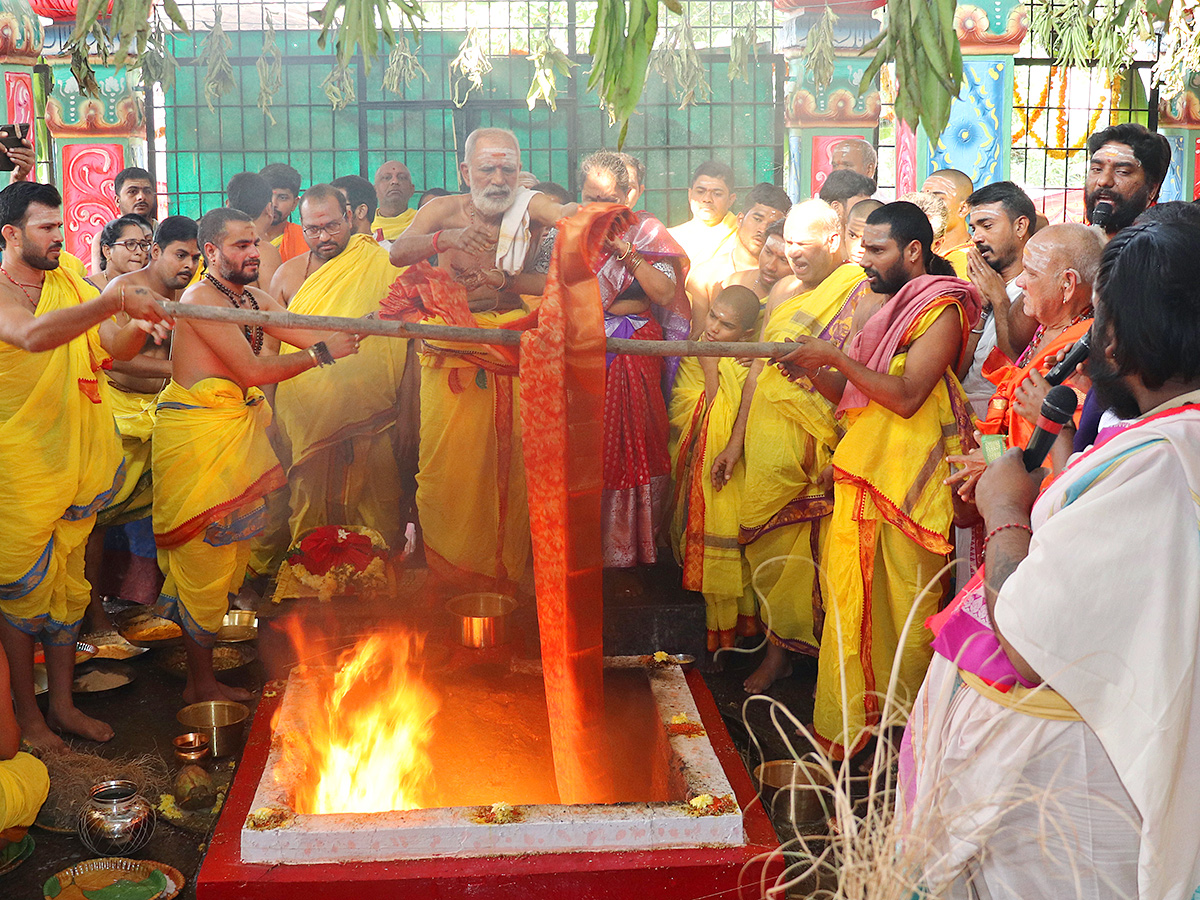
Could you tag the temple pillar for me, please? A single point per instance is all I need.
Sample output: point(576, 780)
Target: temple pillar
point(94, 137)
point(21, 39)
point(1179, 122)
point(817, 118)
point(978, 138)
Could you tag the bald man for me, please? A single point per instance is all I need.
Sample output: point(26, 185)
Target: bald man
point(787, 432)
point(1060, 264)
point(855, 154)
point(393, 188)
point(954, 187)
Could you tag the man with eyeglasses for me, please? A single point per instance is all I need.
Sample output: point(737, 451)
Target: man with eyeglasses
point(341, 426)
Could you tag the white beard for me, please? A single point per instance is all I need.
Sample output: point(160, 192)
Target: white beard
point(494, 205)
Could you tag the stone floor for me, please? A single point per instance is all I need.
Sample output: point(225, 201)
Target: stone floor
point(662, 616)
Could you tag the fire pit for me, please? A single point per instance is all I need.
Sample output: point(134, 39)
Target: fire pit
point(488, 780)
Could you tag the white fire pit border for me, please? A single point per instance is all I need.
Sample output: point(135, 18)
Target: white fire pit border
point(694, 771)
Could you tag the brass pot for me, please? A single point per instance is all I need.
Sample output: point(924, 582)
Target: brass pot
point(482, 618)
point(794, 792)
point(222, 720)
point(116, 820)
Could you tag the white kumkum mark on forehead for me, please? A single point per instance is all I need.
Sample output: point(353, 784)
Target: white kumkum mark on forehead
point(1118, 154)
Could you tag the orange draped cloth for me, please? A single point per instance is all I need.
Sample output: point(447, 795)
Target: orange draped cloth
point(291, 243)
point(1002, 418)
point(562, 416)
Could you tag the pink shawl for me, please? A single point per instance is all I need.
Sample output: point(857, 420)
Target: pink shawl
point(881, 337)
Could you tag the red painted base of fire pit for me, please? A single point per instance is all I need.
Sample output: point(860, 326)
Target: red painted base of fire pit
point(682, 874)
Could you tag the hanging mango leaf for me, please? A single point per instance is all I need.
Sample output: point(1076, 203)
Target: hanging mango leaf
point(472, 64)
point(620, 49)
point(402, 68)
point(81, 63)
point(270, 70)
point(742, 46)
point(126, 30)
point(214, 55)
point(678, 62)
point(339, 87)
point(818, 49)
point(157, 63)
point(548, 63)
point(362, 22)
point(920, 37)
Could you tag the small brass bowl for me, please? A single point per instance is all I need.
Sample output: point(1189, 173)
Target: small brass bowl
point(482, 618)
point(238, 625)
point(192, 747)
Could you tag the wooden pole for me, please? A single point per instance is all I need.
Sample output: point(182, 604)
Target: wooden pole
point(497, 336)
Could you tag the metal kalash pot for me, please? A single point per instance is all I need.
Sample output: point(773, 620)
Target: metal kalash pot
point(116, 820)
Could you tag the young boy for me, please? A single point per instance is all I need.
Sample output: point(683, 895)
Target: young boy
point(704, 528)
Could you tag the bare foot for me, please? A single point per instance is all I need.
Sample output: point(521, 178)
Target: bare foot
point(39, 736)
point(215, 691)
point(776, 665)
point(72, 721)
point(241, 695)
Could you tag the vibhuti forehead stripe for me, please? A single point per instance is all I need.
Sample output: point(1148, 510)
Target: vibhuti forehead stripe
point(1117, 154)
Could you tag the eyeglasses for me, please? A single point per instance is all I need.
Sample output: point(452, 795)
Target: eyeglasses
point(333, 230)
point(132, 244)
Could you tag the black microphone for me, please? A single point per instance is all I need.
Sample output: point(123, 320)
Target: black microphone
point(1101, 212)
point(1057, 409)
point(1077, 354)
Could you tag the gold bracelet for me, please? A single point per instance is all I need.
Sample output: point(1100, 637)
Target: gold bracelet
point(313, 353)
point(628, 250)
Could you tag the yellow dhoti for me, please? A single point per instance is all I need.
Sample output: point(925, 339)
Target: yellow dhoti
point(213, 466)
point(790, 436)
point(704, 528)
point(24, 786)
point(339, 421)
point(888, 544)
point(60, 462)
point(471, 480)
point(134, 415)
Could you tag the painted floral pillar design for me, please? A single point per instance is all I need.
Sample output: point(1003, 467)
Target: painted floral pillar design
point(20, 43)
point(95, 137)
point(817, 118)
point(978, 138)
point(1179, 121)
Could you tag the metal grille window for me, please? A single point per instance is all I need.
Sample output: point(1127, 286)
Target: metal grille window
point(1054, 111)
point(741, 124)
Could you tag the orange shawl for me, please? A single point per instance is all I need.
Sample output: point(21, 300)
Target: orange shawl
point(562, 416)
point(1002, 418)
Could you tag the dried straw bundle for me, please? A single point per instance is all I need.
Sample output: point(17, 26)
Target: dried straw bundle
point(72, 776)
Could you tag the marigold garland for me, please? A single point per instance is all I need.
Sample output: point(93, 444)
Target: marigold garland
point(1030, 116)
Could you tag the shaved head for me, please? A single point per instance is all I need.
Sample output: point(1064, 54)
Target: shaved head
point(742, 302)
point(813, 216)
point(812, 234)
point(1070, 246)
point(863, 208)
point(954, 188)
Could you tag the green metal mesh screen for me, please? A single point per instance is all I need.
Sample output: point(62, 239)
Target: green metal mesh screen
point(740, 124)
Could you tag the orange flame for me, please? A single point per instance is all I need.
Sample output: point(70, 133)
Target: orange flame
point(363, 744)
